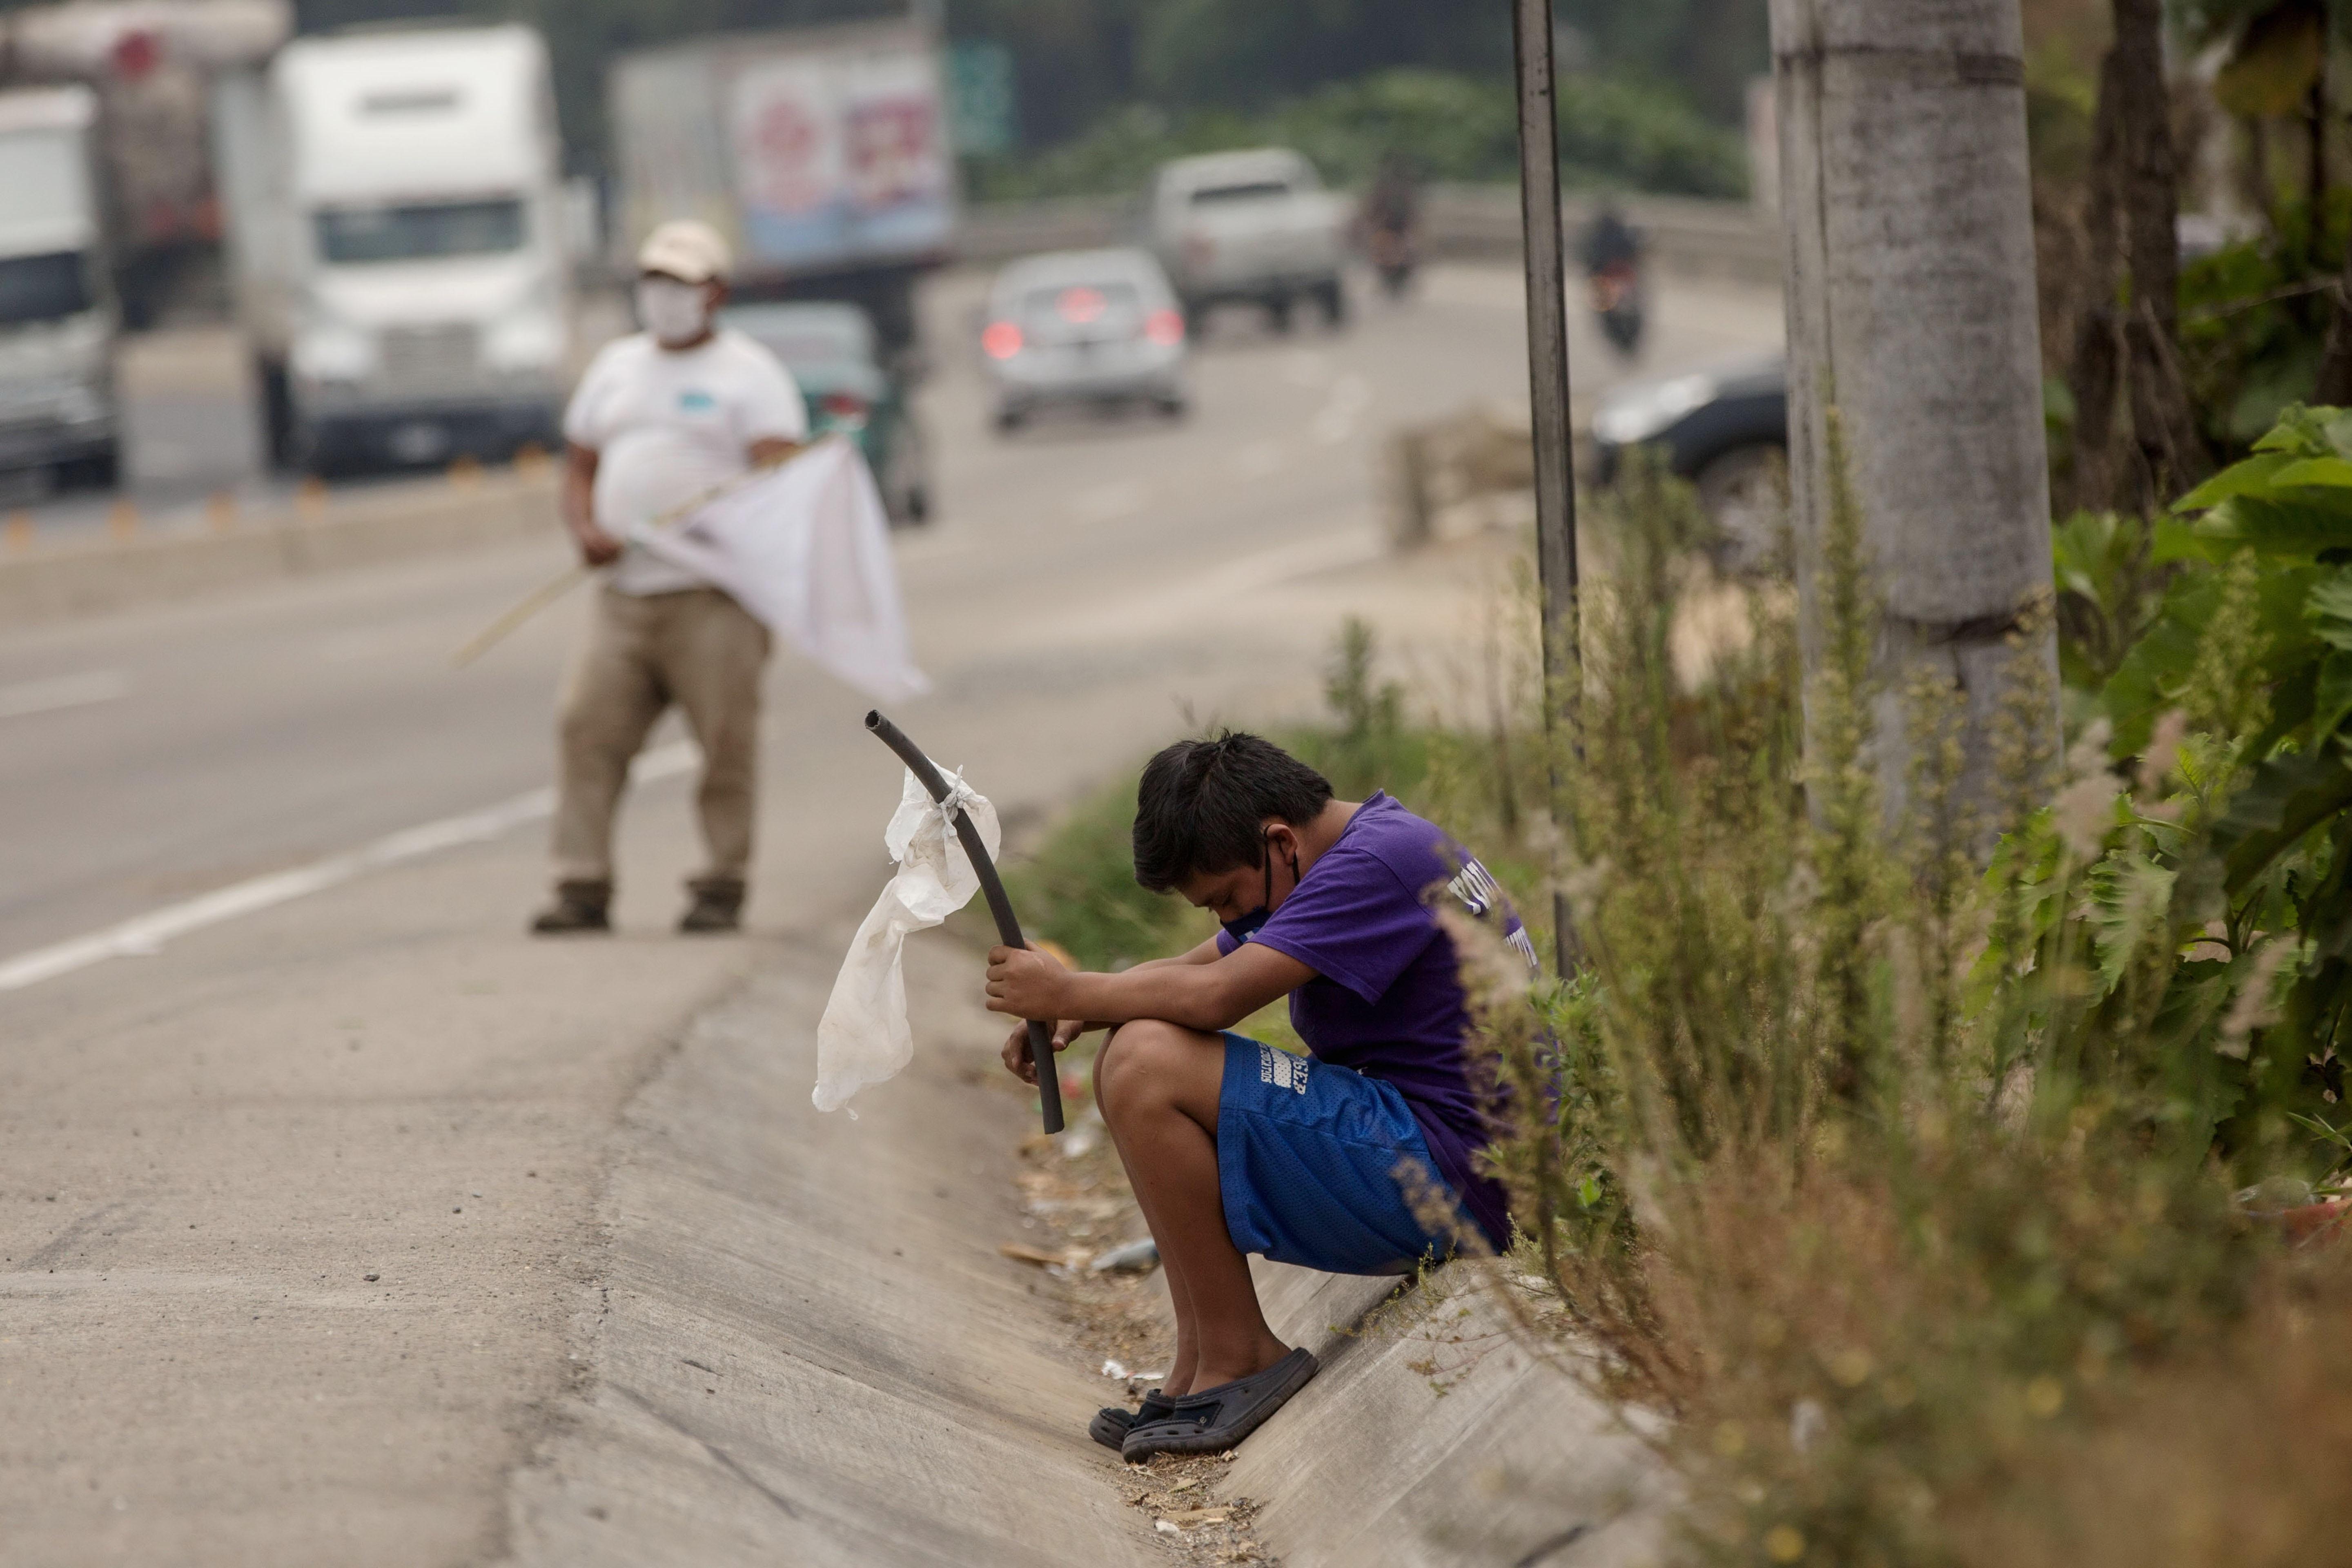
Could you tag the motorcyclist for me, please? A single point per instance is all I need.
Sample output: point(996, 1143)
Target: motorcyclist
point(1611, 251)
point(1391, 217)
point(1609, 242)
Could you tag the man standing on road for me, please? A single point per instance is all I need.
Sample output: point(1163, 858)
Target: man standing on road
point(660, 418)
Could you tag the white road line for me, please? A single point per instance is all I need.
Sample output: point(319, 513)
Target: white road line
point(1108, 503)
point(147, 933)
point(1306, 367)
point(1259, 459)
point(65, 691)
point(1350, 396)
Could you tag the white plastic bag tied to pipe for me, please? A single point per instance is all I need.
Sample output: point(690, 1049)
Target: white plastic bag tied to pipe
point(864, 1037)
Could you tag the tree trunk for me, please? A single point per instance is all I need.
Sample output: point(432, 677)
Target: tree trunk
point(2334, 388)
point(2315, 172)
point(2151, 175)
point(1911, 308)
point(2172, 453)
point(2097, 374)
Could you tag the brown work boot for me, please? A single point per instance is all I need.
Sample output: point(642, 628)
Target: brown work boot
point(718, 906)
point(577, 907)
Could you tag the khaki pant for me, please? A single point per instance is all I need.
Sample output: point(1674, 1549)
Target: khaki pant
point(697, 648)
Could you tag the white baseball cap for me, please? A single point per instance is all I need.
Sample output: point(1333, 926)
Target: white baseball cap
point(685, 249)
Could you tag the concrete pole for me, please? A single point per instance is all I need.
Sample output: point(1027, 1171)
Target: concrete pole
point(1531, 44)
point(1911, 309)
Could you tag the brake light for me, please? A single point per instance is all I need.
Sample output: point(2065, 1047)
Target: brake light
point(1165, 328)
point(1080, 305)
point(1000, 341)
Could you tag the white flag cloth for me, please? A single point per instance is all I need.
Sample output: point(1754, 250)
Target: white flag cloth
point(807, 549)
point(863, 1037)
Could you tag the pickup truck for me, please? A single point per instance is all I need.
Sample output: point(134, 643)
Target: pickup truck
point(1256, 228)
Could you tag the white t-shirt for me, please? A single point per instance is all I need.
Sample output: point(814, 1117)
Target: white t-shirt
point(666, 426)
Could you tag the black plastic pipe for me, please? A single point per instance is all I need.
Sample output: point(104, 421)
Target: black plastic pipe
point(991, 886)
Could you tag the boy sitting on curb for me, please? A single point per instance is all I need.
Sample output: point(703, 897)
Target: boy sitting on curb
point(1233, 1147)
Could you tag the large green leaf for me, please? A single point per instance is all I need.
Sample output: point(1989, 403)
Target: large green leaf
point(2328, 609)
point(2253, 477)
point(2286, 798)
point(2331, 472)
point(2304, 522)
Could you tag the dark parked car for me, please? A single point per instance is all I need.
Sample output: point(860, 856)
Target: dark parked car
point(1725, 430)
point(831, 351)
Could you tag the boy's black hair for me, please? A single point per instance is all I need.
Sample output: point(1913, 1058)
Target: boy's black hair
point(1203, 804)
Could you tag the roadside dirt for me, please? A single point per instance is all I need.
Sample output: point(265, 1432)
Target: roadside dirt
point(1073, 1189)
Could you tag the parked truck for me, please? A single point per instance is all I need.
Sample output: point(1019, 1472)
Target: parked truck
point(149, 63)
point(396, 241)
point(821, 153)
point(58, 320)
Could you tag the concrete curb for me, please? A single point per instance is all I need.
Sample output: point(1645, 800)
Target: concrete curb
point(81, 579)
point(1434, 1438)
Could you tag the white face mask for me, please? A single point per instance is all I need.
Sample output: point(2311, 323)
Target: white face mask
point(674, 313)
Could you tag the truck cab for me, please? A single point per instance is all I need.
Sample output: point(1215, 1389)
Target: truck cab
point(399, 240)
point(58, 319)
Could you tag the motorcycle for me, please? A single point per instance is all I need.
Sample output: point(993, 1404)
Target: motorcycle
point(1616, 293)
point(1394, 255)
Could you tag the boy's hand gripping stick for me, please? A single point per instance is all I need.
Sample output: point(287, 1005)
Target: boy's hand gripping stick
point(1008, 925)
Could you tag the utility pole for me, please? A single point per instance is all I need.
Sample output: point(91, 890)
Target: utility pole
point(1532, 47)
point(1911, 309)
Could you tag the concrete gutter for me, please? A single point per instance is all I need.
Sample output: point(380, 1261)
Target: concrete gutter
point(802, 1345)
point(328, 532)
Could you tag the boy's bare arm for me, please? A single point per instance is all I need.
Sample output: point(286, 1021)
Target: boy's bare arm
point(1016, 1046)
point(1208, 993)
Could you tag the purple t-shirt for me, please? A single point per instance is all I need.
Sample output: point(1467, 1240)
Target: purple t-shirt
point(1387, 998)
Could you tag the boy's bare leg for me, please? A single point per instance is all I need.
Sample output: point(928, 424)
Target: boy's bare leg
point(1158, 1086)
point(1179, 1379)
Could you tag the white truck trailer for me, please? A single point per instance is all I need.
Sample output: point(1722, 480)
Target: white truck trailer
point(397, 244)
point(821, 154)
point(58, 319)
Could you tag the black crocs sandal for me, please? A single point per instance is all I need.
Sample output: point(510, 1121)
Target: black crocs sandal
point(1216, 1419)
point(1111, 1421)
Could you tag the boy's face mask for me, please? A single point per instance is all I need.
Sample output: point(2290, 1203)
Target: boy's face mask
point(1241, 927)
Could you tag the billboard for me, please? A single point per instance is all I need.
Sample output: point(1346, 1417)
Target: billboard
point(841, 155)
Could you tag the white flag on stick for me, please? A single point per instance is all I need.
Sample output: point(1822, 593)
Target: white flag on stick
point(807, 549)
point(863, 1038)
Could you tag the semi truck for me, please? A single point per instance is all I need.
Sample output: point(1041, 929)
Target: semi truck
point(58, 318)
point(397, 247)
point(821, 153)
point(149, 63)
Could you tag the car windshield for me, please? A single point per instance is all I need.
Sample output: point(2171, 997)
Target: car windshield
point(421, 232)
point(1248, 190)
point(1076, 308)
point(44, 287)
point(807, 337)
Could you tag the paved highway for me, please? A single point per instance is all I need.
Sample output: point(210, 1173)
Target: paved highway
point(298, 1197)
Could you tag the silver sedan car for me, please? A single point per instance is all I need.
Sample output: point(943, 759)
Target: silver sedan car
point(1096, 330)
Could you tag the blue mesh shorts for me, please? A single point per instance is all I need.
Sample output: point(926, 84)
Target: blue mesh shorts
point(1308, 1160)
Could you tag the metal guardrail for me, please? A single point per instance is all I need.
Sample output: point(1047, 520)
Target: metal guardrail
point(1729, 239)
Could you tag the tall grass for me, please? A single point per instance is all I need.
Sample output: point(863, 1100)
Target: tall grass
point(1901, 1189)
